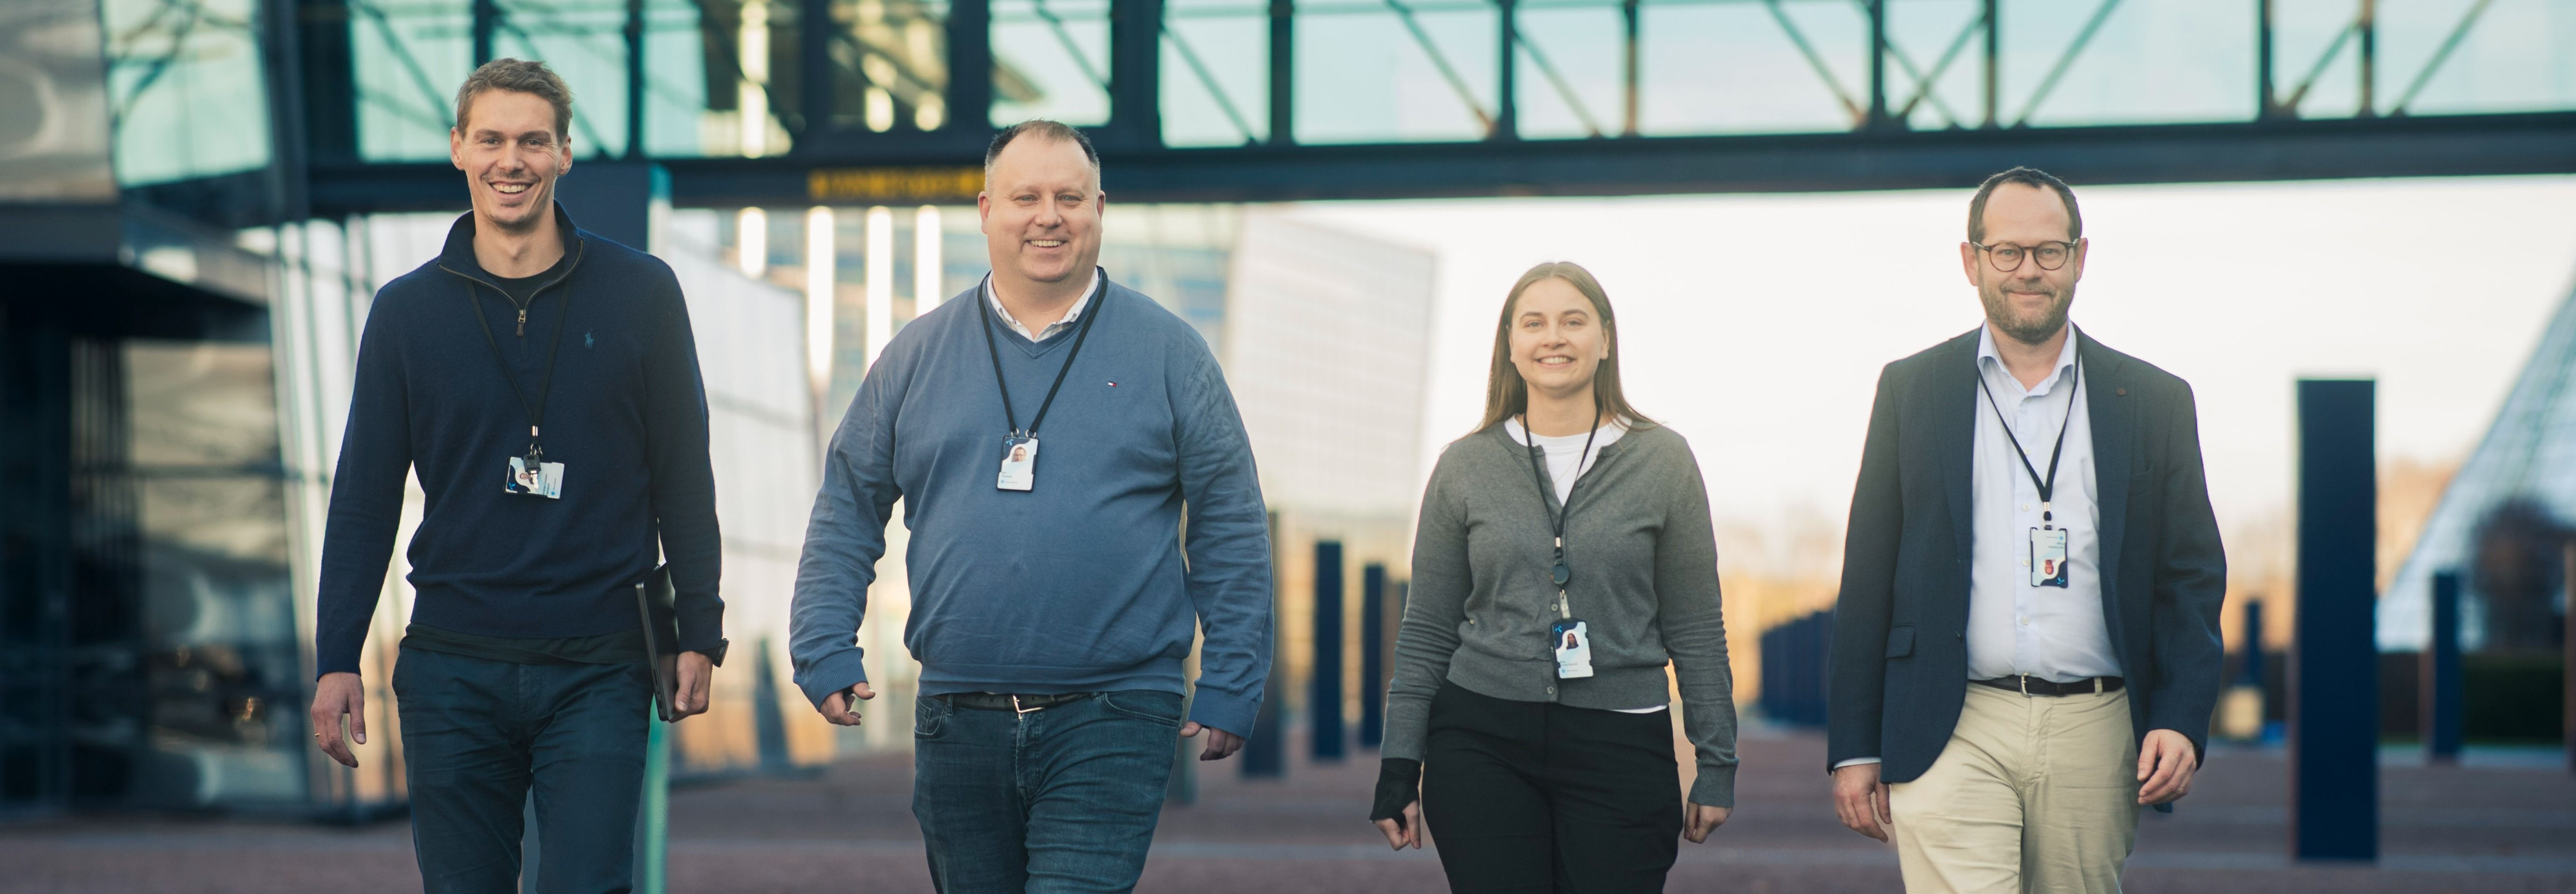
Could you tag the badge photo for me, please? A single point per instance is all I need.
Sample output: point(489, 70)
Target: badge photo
point(1019, 464)
point(539, 479)
point(1572, 641)
point(2048, 557)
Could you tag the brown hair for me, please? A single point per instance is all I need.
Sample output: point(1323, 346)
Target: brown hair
point(2030, 177)
point(1507, 395)
point(524, 76)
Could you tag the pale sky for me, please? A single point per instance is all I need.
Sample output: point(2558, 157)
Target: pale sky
point(1756, 325)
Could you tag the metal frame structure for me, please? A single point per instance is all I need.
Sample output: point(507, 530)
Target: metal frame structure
point(323, 173)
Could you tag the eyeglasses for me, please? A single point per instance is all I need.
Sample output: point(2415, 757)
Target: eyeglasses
point(2007, 258)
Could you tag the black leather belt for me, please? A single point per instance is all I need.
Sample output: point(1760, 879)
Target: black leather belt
point(2037, 686)
point(989, 701)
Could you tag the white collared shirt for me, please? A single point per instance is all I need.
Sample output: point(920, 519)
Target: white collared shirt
point(1071, 316)
point(2015, 628)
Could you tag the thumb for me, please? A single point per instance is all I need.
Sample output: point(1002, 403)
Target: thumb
point(2147, 758)
point(862, 691)
point(1190, 729)
point(357, 705)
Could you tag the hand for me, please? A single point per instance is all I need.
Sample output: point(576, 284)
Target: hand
point(1408, 831)
point(335, 695)
point(840, 708)
point(1220, 744)
point(2165, 767)
point(1861, 800)
point(695, 672)
point(1704, 819)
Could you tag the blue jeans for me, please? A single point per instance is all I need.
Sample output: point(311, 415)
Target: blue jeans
point(1054, 801)
point(478, 735)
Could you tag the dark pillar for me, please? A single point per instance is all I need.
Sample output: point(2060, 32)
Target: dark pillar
point(1283, 72)
point(1629, 57)
point(970, 67)
point(814, 96)
point(2253, 675)
point(2263, 106)
point(1265, 751)
point(1994, 58)
point(487, 19)
point(635, 62)
point(2567, 657)
point(1135, 73)
point(1324, 688)
point(2369, 28)
point(1372, 655)
point(2334, 660)
point(1877, 66)
point(2440, 691)
point(1507, 125)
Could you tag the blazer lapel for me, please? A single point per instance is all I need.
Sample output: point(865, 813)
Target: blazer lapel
point(1954, 410)
point(2110, 411)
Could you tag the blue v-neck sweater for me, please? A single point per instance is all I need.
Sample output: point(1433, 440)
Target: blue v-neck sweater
point(626, 415)
point(1078, 585)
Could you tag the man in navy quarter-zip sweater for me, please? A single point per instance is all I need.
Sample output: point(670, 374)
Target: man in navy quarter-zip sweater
point(543, 384)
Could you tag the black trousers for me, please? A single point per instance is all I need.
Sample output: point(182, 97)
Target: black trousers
point(1539, 797)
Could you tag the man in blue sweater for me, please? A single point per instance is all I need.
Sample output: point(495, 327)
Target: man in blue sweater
point(1052, 606)
point(543, 384)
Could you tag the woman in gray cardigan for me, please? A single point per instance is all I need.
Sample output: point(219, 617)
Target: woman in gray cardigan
point(1563, 557)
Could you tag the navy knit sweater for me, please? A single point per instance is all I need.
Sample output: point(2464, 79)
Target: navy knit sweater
point(626, 415)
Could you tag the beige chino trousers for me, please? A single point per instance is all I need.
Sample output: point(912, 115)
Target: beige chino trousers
point(2032, 794)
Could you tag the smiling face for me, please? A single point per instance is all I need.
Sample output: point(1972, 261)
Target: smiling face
point(2029, 304)
point(1557, 340)
point(511, 153)
point(1041, 210)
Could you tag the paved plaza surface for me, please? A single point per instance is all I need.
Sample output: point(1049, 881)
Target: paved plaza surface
point(850, 829)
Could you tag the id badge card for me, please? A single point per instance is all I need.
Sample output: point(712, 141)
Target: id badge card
point(1019, 463)
point(2048, 557)
point(1572, 641)
point(534, 478)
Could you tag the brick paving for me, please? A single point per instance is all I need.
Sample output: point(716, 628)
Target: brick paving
point(849, 830)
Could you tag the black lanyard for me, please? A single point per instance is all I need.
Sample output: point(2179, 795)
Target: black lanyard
point(2049, 484)
point(536, 411)
point(1090, 313)
point(1556, 515)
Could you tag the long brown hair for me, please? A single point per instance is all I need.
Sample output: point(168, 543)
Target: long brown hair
point(1507, 395)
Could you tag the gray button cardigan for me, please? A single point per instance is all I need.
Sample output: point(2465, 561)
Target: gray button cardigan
point(1645, 580)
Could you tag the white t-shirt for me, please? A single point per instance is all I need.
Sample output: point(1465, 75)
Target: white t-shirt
point(1563, 453)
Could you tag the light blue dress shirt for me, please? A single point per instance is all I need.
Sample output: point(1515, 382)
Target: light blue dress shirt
point(2015, 628)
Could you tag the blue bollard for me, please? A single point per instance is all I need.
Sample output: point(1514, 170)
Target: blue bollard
point(1324, 690)
point(2334, 663)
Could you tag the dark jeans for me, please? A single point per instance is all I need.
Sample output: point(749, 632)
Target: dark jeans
point(1053, 801)
point(1533, 796)
point(476, 736)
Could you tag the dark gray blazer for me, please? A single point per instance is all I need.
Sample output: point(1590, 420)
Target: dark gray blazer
point(1900, 655)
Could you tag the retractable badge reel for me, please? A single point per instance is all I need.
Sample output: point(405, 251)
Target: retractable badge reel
point(1568, 637)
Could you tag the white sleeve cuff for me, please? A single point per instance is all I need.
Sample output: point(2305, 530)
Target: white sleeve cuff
point(1854, 762)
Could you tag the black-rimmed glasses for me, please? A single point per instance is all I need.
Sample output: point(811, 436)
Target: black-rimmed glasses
point(2008, 258)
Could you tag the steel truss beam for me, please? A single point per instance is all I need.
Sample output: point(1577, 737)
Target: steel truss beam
point(2540, 143)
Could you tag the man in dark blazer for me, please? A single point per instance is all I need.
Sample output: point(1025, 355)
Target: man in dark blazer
point(2026, 648)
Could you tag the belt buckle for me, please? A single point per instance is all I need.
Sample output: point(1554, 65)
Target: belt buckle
point(1015, 705)
point(2024, 680)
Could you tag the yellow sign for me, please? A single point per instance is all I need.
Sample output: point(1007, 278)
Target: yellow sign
point(857, 185)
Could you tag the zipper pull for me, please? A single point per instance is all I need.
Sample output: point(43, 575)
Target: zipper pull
point(523, 322)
